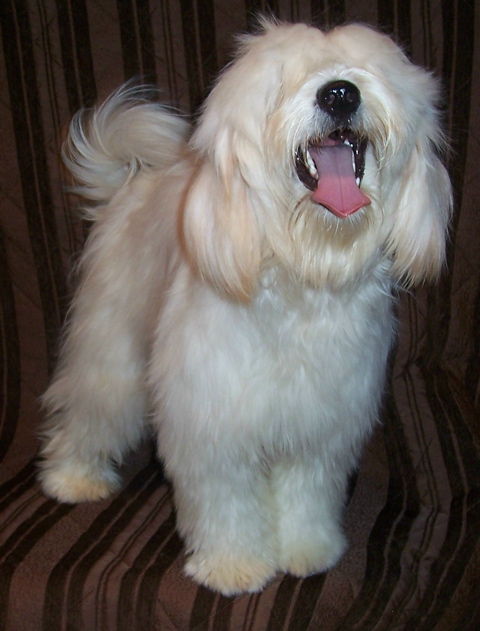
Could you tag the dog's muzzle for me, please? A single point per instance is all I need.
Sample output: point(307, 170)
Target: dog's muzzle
point(333, 167)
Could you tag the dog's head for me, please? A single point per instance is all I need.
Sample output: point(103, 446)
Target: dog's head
point(317, 152)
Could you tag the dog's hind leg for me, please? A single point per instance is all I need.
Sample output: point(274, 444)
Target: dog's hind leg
point(95, 405)
point(96, 412)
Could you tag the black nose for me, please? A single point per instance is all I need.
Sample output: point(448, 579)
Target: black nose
point(340, 99)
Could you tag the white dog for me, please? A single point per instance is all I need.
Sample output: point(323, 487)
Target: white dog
point(237, 289)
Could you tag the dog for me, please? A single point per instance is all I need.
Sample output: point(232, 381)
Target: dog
point(237, 291)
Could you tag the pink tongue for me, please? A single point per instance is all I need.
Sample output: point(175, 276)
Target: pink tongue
point(337, 189)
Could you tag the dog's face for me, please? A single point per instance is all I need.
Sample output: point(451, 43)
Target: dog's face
point(317, 152)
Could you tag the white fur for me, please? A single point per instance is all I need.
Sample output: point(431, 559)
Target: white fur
point(251, 321)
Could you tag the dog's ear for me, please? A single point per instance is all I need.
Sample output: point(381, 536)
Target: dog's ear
point(420, 216)
point(220, 231)
point(222, 228)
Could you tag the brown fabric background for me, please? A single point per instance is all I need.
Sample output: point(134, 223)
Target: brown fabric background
point(414, 516)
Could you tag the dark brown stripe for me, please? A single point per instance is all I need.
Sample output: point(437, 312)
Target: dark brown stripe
point(74, 31)
point(319, 13)
point(49, 63)
point(398, 532)
point(56, 93)
point(22, 541)
point(202, 607)
point(157, 551)
point(471, 618)
point(254, 8)
point(282, 603)
point(391, 529)
point(15, 487)
point(429, 51)
point(137, 39)
point(27, 534)
point(161, 550)
point(194, 80)
point(208, 42)
point(336, 12)
point(458, 50)
point(10, 382)
point(404, 26)
point(251, 611)
point(169, 52)
point(65, 586)
point(128, 33)
point(428, 496)
point(394, 18)
point(223, 613)
point(327, 14)
point(306, 602)
point(464, 478)
point(209, 606)
point(30, 144)
point(198, 24)
point(147, 43)
point(472, 373)
point(386, 15)
point(169, 547)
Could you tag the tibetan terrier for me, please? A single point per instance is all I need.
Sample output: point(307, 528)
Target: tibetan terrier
point(237, 290)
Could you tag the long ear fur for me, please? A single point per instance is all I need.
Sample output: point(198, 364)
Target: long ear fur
point(220, 232)
point(420, 218)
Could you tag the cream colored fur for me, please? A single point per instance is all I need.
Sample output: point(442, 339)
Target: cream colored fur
point(248, 325)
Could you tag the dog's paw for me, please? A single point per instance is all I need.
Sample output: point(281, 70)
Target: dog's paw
point(229, 574)
point(311, 555)
point(77, 483)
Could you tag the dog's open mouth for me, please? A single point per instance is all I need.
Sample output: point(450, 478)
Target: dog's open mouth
point(333, 169)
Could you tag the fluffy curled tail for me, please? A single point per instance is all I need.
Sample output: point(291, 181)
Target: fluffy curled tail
point(108, 145)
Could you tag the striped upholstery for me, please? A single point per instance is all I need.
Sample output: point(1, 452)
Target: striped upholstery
point(414, 516)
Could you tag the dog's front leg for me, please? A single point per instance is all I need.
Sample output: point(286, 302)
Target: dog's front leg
point(226, 514)
point(310, 502)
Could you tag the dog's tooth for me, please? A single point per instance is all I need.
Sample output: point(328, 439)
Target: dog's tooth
point(311, 165)
point(357, 180)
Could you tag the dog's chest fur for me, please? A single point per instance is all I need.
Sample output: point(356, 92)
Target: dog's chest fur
point(290, 370)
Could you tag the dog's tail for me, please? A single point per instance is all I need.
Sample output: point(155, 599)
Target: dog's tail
point(108, 145)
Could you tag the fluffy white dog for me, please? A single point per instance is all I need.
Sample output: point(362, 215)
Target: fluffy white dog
point(237, 291)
